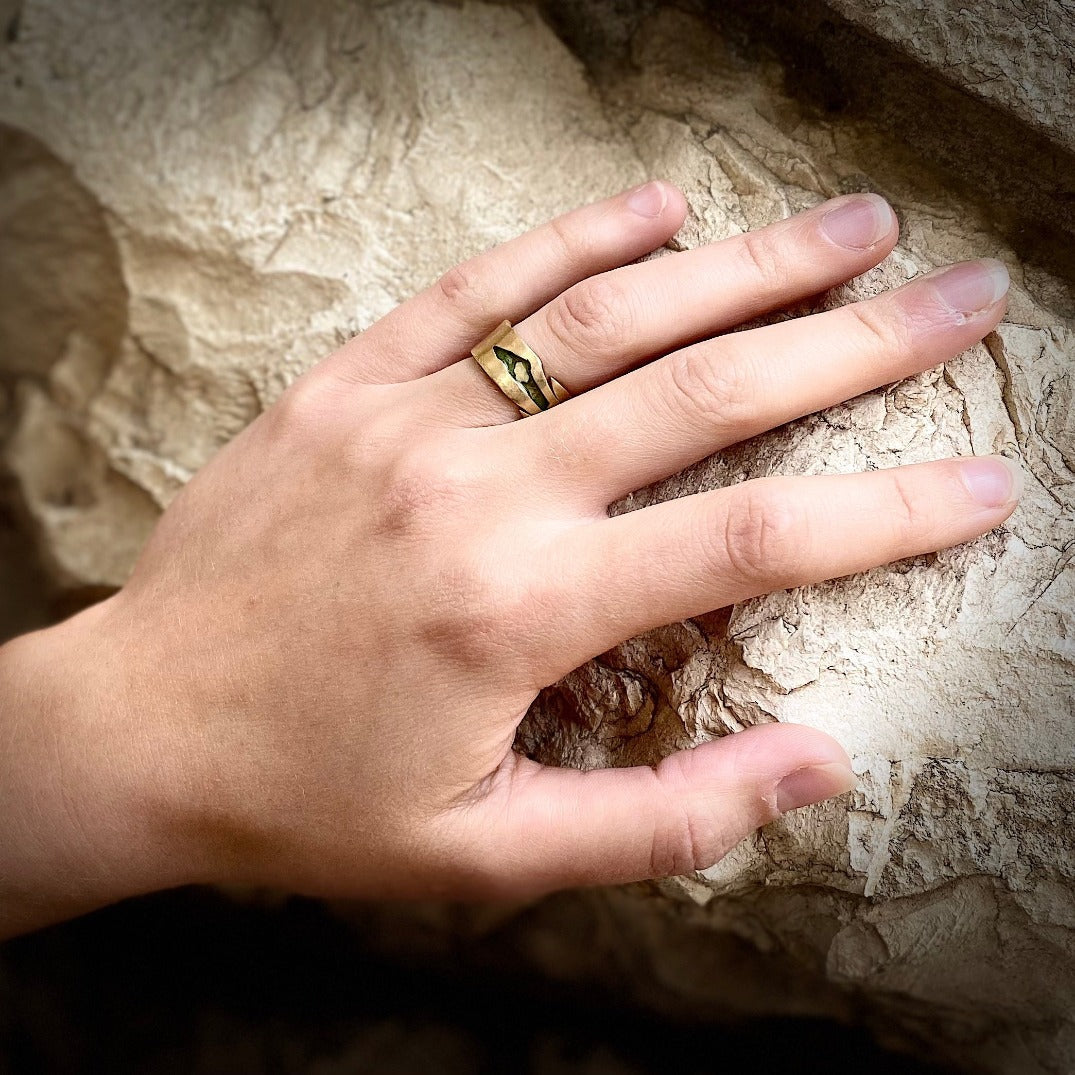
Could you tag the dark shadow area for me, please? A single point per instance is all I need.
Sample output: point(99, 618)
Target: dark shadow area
point(191, 981)
point(922, 122)
point(24, 590)
point(29, 596)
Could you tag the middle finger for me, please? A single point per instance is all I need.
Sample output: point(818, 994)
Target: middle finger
point(662, 417)
point(612, 322)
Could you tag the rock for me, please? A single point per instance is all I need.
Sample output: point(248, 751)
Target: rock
point(200, 200)
point(1022, 61)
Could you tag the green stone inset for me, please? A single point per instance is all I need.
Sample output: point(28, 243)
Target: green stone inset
point(511, 362)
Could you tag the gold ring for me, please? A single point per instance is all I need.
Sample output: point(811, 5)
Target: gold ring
point(517, 371)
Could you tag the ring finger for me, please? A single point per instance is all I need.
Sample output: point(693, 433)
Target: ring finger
point(615, 320)
point(659, 419)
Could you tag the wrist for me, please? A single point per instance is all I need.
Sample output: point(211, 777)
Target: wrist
point(91, 777)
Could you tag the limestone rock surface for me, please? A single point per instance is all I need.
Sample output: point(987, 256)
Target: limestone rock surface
point(199, 200)
point(1020, 57)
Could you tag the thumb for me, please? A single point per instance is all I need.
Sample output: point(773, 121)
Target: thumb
point(613, 825)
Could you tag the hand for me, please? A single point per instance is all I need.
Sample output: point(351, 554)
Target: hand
point(314, 676)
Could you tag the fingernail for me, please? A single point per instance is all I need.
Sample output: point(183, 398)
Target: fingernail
point(813, 783)
point(971, 286)
point(858, 222)
point(993, 481)
point(648, 200)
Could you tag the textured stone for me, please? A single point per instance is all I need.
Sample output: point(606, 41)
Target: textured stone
point(1020, 57)
point(225, 192)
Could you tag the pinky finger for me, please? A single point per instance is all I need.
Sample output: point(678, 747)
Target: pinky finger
point(439, 325)
point(684, 557)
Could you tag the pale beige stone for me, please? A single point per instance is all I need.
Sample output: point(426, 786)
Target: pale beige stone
point(254, 183)
point(1020, 57)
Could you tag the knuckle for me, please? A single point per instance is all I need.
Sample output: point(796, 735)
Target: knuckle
point(593, 315)
point(682, 841)
point(763, 260)
point(882, 324)
point(474, 614)
point(766, 535)
point(301, 409)
point(463, 288)
point(577, 240)
point(908, 513)
point(572, 244)
point(700, 384)
point(674, 849)
point(372, 434)
point(423, 488)
point(692, 835)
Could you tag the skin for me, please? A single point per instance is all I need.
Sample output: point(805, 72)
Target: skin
point(314, 675)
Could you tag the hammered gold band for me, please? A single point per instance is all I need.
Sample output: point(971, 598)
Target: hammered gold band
point(517, 371)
